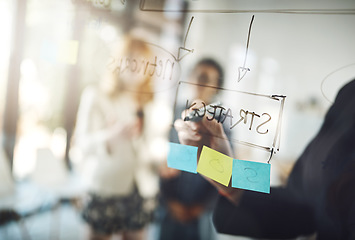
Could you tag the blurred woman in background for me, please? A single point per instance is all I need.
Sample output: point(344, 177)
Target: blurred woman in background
point(109, 133)
point(186, 198)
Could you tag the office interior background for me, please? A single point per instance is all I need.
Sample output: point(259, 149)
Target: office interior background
point(51, 50)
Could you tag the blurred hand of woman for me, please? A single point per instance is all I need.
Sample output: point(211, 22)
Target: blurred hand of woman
point(126, 131)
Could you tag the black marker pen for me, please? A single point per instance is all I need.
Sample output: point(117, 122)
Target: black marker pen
point(198, 114)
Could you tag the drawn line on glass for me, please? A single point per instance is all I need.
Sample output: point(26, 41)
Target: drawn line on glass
point(317, 11)
point(326, 77)
point(255, 174)
point(188, 51)
point(216, 165)
point(242, 71)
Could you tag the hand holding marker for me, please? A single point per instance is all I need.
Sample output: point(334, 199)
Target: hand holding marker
point(197, 114)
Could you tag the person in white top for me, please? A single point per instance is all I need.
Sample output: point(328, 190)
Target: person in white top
point(109, 133)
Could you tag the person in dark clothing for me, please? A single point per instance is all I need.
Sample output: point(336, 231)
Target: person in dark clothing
point(319, 196)
point(187, 199)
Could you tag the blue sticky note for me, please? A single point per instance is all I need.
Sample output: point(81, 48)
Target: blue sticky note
point(182, 157)
point(249, 175)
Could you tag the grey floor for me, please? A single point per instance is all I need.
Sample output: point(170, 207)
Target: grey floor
point(62, 223)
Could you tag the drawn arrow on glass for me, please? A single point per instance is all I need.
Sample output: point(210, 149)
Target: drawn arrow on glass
point(242, 71)
point(183, 51)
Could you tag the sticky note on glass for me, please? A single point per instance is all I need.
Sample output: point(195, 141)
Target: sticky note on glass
point(249, 175)
point(68, 52)
point(182, 157)
point(215, 165)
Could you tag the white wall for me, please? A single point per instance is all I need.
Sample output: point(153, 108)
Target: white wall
point(289, 54)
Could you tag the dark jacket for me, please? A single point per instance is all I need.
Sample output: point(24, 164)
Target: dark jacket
point(320, 193)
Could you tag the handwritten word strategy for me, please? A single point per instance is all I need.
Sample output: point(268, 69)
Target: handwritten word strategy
point(220, 113)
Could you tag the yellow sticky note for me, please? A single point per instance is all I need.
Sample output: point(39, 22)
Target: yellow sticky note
point(68, 52)
point(215, 165)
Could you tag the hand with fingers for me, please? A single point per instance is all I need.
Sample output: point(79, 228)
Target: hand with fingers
point(207, 132)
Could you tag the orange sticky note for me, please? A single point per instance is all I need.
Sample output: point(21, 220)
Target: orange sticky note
point(215, 165)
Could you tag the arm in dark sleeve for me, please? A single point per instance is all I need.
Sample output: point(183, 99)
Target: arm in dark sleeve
point(274, 215)
point(341, 200)
point(351, 222)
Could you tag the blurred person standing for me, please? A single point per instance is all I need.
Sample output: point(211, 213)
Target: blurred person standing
point(187, 198)
point(109, 133)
